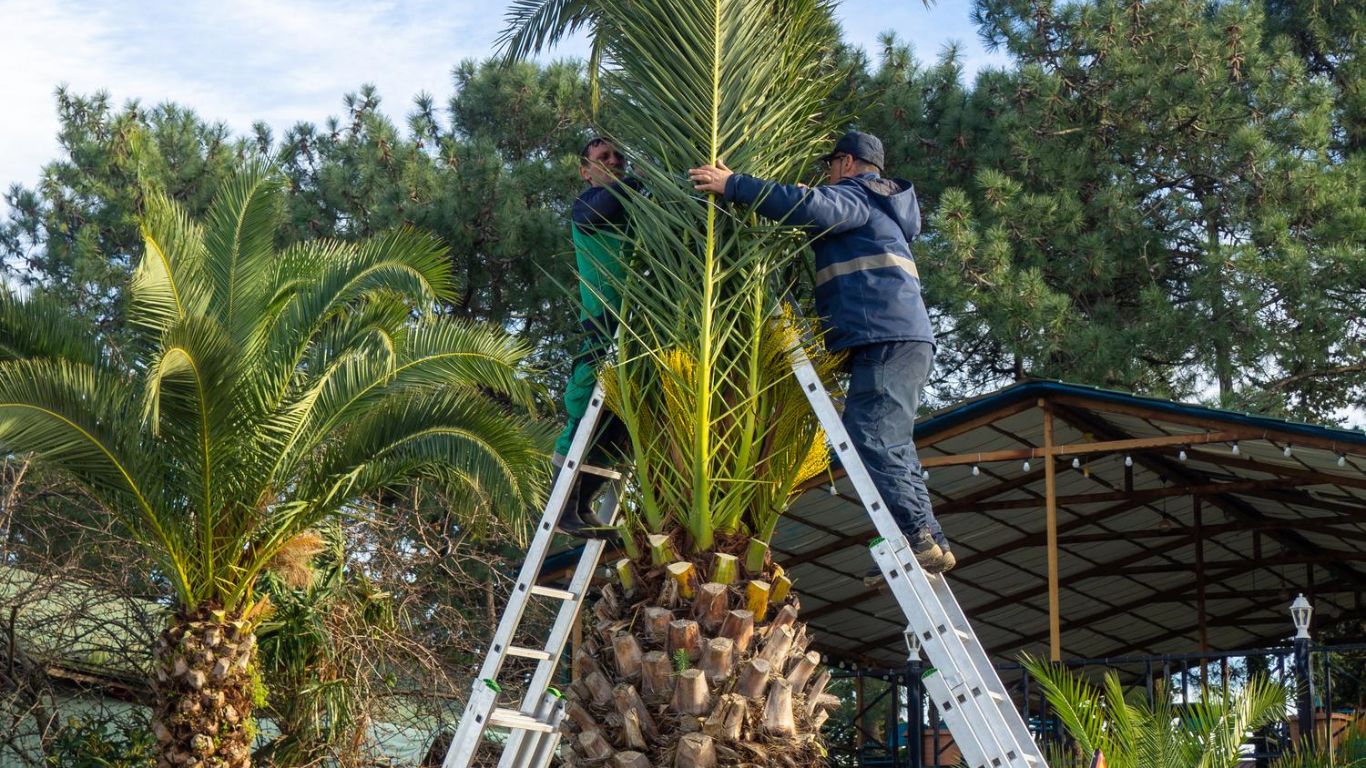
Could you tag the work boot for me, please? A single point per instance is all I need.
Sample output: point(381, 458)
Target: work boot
point(945, 564)
point(927, 553)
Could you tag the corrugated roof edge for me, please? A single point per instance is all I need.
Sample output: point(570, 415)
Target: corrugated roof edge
point(958, 413)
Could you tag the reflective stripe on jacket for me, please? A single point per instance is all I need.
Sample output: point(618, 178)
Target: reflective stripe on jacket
point(867, 284)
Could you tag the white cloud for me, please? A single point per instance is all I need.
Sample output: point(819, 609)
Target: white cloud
point(239, 62)
point(45, 46)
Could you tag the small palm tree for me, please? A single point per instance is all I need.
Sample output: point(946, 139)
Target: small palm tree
point(1349, 753)
point(721, 433)
point(1133, 732)
point(265, 391)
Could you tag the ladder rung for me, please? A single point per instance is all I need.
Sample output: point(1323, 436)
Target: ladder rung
point(561, 594)
point(610, 474)
point(511, 718)
point(528, 653)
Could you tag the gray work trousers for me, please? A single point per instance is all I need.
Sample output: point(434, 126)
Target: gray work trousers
point(885, 381)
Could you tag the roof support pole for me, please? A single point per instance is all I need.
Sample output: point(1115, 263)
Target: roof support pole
point(1202, 618)
point(1051, 506)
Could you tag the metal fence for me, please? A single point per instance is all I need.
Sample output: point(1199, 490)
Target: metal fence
point(887, 721)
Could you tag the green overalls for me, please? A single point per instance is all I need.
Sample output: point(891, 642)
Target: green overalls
point(599, 257)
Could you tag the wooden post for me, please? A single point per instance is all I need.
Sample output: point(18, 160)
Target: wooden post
point(576, 639)
point(1200, 583)
point(1051, 495)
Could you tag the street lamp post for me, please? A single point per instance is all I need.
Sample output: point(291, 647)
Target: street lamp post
point(1300, 613)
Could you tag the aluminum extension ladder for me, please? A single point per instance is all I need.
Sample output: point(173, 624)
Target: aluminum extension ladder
point(534, 726)
point(986, 726)
point(964, 686)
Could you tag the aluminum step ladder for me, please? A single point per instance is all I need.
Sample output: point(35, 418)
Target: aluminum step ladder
point(963, 684)
point(534, 725)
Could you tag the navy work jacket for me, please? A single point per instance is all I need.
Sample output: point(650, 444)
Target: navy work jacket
point(867, 285)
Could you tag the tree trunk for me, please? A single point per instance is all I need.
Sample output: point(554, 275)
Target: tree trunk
point(697, 681)
point(203, 683)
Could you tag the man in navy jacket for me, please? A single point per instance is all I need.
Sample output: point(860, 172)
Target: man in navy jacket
point(868, 297)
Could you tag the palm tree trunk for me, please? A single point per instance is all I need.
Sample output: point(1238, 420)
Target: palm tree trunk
point(204, 691)
point(677, 674)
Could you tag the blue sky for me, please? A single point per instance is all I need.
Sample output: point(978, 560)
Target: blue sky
point(283, 61)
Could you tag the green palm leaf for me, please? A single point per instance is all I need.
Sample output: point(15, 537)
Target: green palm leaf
point(1134, 732)
point(268, 390)
point(41, 327)
point(696, 384)
point(534, 25)
point(168, 282)
point(240, 240)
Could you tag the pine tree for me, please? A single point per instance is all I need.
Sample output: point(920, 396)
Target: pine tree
point(493, 181)
point(75, 236)
point(1158, 207)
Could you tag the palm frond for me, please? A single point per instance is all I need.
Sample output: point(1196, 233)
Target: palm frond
point(1077, 704)
point(1226, 725)
point(41, 327)
point(318, 281)
point(240, 240)
point(168, 283)
point(531, 26)
point(84, 421)
point(712, 439)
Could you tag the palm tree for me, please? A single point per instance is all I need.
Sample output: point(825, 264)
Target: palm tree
point(1134, 732)
point(721, 433)
point(265, 391)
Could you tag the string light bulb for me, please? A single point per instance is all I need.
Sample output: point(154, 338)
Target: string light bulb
point(1286, 452)
point(976, 470)
point(833, 490)
point(1342, 459)
point(1128, 460)
point(925, 474)
point(1182, 455)
point(1025, 467)
point(1076, 463)
point(1235, 447)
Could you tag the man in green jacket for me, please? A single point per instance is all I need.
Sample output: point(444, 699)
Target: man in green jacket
point(599, 230)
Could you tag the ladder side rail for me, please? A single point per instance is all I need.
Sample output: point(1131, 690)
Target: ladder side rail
point(560, 631)
point(540, 543)
point(523, 745)
point(986, 670)
point(484, 697)
point(545, 747)
point(958, 719)
point(559, 636)
point(941, 643)
point(529, 749)
point(955, 654)
point(567, 616)
point(470, 733)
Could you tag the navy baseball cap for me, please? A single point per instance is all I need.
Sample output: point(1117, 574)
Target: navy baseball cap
point(864, 146)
